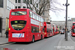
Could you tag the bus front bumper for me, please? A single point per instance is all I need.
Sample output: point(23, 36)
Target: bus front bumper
point(19, 40)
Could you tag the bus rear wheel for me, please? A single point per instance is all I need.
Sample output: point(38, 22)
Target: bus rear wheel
point(41, 37)
point(33, 39)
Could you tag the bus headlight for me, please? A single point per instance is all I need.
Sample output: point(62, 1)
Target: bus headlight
point(9, 28)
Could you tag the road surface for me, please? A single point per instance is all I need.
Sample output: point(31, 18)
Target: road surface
point(50, 43)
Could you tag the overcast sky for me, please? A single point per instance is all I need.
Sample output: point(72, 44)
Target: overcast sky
point(60, 15)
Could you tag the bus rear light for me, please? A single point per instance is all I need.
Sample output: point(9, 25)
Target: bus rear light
point(44, 33)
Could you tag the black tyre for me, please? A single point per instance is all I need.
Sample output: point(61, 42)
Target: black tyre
point(33, 39)
point(72, 36)
point(41, 37)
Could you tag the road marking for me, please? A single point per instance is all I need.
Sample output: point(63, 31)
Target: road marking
point(6, 44)
point(59, 44)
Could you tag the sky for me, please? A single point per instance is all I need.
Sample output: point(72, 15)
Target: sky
point(60, 15)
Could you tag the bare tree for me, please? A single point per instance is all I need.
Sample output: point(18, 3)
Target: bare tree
point(38, 5)
point(43, 5)
point(54, 7)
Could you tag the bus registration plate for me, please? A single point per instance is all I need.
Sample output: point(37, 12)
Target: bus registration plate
point(17, 35)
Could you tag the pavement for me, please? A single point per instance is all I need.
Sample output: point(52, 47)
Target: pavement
point(3, 40)
point(66, 45)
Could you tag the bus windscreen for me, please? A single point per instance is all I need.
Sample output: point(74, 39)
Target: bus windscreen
point(18, 25)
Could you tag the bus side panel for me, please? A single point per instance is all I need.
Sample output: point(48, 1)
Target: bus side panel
point(73, 30)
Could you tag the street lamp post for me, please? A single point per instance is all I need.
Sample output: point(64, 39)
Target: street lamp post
point(66, 35)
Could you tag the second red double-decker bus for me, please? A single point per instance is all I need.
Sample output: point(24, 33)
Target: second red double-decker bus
point(25, 26)
point(47, 29)
point(73, 29)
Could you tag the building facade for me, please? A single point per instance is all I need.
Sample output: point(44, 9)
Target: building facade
point(25, 4)
point(46, 14)
point(5, 6)
point(61, 24)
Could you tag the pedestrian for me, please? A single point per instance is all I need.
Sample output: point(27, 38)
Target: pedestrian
point(6, 33)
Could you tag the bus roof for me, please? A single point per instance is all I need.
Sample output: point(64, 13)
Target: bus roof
point(25, 9)
point(19, 9)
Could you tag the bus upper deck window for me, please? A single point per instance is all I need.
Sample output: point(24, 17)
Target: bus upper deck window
point(19, 13)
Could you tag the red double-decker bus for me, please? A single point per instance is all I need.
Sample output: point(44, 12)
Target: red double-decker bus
point(47, 29)
point(25, 26)
point(51, 32)
point(57, 31)
point(54, 29)
point(73, 29)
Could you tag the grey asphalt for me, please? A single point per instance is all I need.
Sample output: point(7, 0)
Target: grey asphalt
point(46, 44)
point(72, 37)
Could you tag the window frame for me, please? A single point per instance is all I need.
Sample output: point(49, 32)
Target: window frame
point(24, 1)
point(15, 7)
point(19, 1)
point(15, 1)
point(18, 11)
point(34, 29)
point(19, 6)
point(25, 22)
point(24, 7)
